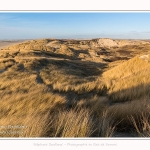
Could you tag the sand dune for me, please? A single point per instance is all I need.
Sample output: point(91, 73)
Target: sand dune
point(4, 44)
point(75, 88)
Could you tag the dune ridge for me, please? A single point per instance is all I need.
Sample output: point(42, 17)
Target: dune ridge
point(93, 88)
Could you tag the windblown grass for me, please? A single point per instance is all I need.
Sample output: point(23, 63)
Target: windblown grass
point(48, 89)
point(74, 123)
point(142, 124)
point(129, 80)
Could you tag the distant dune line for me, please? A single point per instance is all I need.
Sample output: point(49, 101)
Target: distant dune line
point(4, 44)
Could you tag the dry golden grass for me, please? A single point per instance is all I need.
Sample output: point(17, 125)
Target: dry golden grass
point(67, 76)
point(129, 80)
point(50, 119)
point(106, 125)
point(46, 87)
point(127, 68)
point(65, 50)
point(29, 126)
point(122, 112)
point(74, 123)
point(142, 124)
point(25, 102)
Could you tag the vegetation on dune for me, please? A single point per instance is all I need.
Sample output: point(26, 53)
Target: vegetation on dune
point(48, 90)
point(128, 81)
point(142, 124)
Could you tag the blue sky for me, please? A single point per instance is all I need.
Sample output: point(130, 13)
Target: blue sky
point(117, 25)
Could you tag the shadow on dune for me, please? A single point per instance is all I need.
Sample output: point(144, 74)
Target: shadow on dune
point(130, 94)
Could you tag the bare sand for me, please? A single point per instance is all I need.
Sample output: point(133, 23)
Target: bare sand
point(4, 44)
